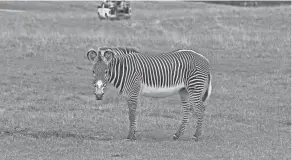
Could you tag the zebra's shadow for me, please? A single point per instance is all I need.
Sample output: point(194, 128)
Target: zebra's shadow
point(101, 136)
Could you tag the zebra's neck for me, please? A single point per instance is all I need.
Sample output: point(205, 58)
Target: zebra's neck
point(118, 74)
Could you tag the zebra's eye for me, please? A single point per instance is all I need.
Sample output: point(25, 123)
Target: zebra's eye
point(93, 72)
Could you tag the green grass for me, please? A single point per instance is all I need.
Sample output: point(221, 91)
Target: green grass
point(47, 106)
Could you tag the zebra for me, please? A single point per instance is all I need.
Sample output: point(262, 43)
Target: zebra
point(183, 72)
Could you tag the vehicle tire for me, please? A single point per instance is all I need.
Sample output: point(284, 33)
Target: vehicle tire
point(127, 10)
point(106, 17)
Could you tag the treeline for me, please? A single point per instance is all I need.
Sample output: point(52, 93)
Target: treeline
point(251, 3)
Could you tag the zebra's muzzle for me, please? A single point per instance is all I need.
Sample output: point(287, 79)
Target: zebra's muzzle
point(99, 86)
point(99, 96)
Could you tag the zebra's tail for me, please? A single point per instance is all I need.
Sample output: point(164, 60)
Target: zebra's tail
point(209, 89)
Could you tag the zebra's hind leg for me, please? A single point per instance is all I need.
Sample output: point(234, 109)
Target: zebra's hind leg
point(200, 107)
point(184, 96)
point(196, 103)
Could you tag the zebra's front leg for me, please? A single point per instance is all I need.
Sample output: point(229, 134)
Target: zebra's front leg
point(132, 105)
point(186, 109)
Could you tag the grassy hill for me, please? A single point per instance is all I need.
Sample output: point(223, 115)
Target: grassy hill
point(252, 3)
point(47, 106)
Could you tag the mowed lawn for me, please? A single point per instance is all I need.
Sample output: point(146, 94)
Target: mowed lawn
point(47, 106)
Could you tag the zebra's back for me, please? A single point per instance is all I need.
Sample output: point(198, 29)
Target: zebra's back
point(165, 70)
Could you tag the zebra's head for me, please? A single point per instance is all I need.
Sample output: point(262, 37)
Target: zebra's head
point(100, 70)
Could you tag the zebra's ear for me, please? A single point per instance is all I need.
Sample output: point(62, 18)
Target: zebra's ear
point(93, 56)
point(108, 56)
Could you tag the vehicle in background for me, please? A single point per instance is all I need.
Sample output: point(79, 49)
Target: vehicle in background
point(114, 10)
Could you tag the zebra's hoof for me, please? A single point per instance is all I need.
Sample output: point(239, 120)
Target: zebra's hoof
point(132, 138)
point(196, 139)
point(175, 137)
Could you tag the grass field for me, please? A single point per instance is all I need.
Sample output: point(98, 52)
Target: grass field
point(47, 106)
